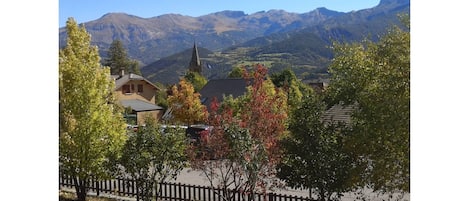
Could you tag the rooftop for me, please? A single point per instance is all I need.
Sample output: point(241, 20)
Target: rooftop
point(122, 79)
point(339, 113)
point(140, 105)
point(222, 87)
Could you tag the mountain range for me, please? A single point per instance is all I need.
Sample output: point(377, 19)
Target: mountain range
point(227, 39)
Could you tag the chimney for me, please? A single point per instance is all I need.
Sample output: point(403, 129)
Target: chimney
point(122, 73)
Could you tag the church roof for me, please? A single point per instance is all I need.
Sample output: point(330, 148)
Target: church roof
point(195, 64)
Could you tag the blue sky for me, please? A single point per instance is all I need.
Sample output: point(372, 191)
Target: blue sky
point(88, 10)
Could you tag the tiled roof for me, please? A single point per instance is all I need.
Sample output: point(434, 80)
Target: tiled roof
point(339, 113)
point(140, 105)
point(219, 87)
point(126, 78)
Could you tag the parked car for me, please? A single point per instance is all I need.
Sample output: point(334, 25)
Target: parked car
point(132, 127)
point(197, 132)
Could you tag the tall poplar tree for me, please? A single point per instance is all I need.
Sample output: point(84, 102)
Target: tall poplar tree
point(92, 130)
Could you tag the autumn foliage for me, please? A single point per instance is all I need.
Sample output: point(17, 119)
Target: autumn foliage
point(242, 149)
point(265, 112)
point(185, 104)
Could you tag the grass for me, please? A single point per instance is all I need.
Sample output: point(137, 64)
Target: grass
point(67, 196)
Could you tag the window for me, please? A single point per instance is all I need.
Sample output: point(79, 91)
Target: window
point(126, 89)
point(140, 88)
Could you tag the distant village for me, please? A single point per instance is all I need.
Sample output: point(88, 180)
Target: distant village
point(138, 94)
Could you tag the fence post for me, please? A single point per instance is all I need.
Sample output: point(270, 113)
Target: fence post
point(271, 196)
point(113, 189)
point(182, 192)
point(97, 187)
point(189, 190)
point(127, 187)
point(170, 191)
point(133, 187)
point(159, 192)
point(205, 193)
point(199, 194)
point(119, 186)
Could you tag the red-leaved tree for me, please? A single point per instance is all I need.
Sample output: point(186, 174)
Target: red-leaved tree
point(241, 151)
point(264, 115)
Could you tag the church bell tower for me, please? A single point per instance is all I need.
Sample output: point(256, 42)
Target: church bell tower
point(195, 64)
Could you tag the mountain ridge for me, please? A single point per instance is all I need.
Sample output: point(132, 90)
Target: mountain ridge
point(235, 38)
point(176, 32)
point(307, 51)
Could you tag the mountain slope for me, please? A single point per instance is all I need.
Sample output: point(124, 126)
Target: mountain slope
point(168, 70)
point(307, 51)
point(148, 39)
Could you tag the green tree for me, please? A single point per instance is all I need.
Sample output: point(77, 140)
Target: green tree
point(134, 66)
point(375, 76)
point(314, 154)
point(287, 80)
point(118, 60)
point(161, 98)
point(236, 72)
point(152, 155)
point(185, 104)
point(196, 79)
point(92, 129)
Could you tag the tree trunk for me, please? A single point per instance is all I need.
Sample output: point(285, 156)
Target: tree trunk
point(80, 188)
point(82, 194)
point(322, 195)
point(139, 190)
point(77, 185)
point(138, 193)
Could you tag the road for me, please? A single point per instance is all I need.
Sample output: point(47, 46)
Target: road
point(194, 177)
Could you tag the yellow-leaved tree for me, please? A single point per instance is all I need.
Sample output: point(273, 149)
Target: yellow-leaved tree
point(185, 104)
point(92, 130)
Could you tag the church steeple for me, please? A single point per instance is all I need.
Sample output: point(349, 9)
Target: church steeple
point(195, 65)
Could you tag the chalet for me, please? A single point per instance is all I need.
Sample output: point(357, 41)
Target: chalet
point(138, 94)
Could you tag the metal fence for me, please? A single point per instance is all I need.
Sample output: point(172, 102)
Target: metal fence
point(174, 191)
